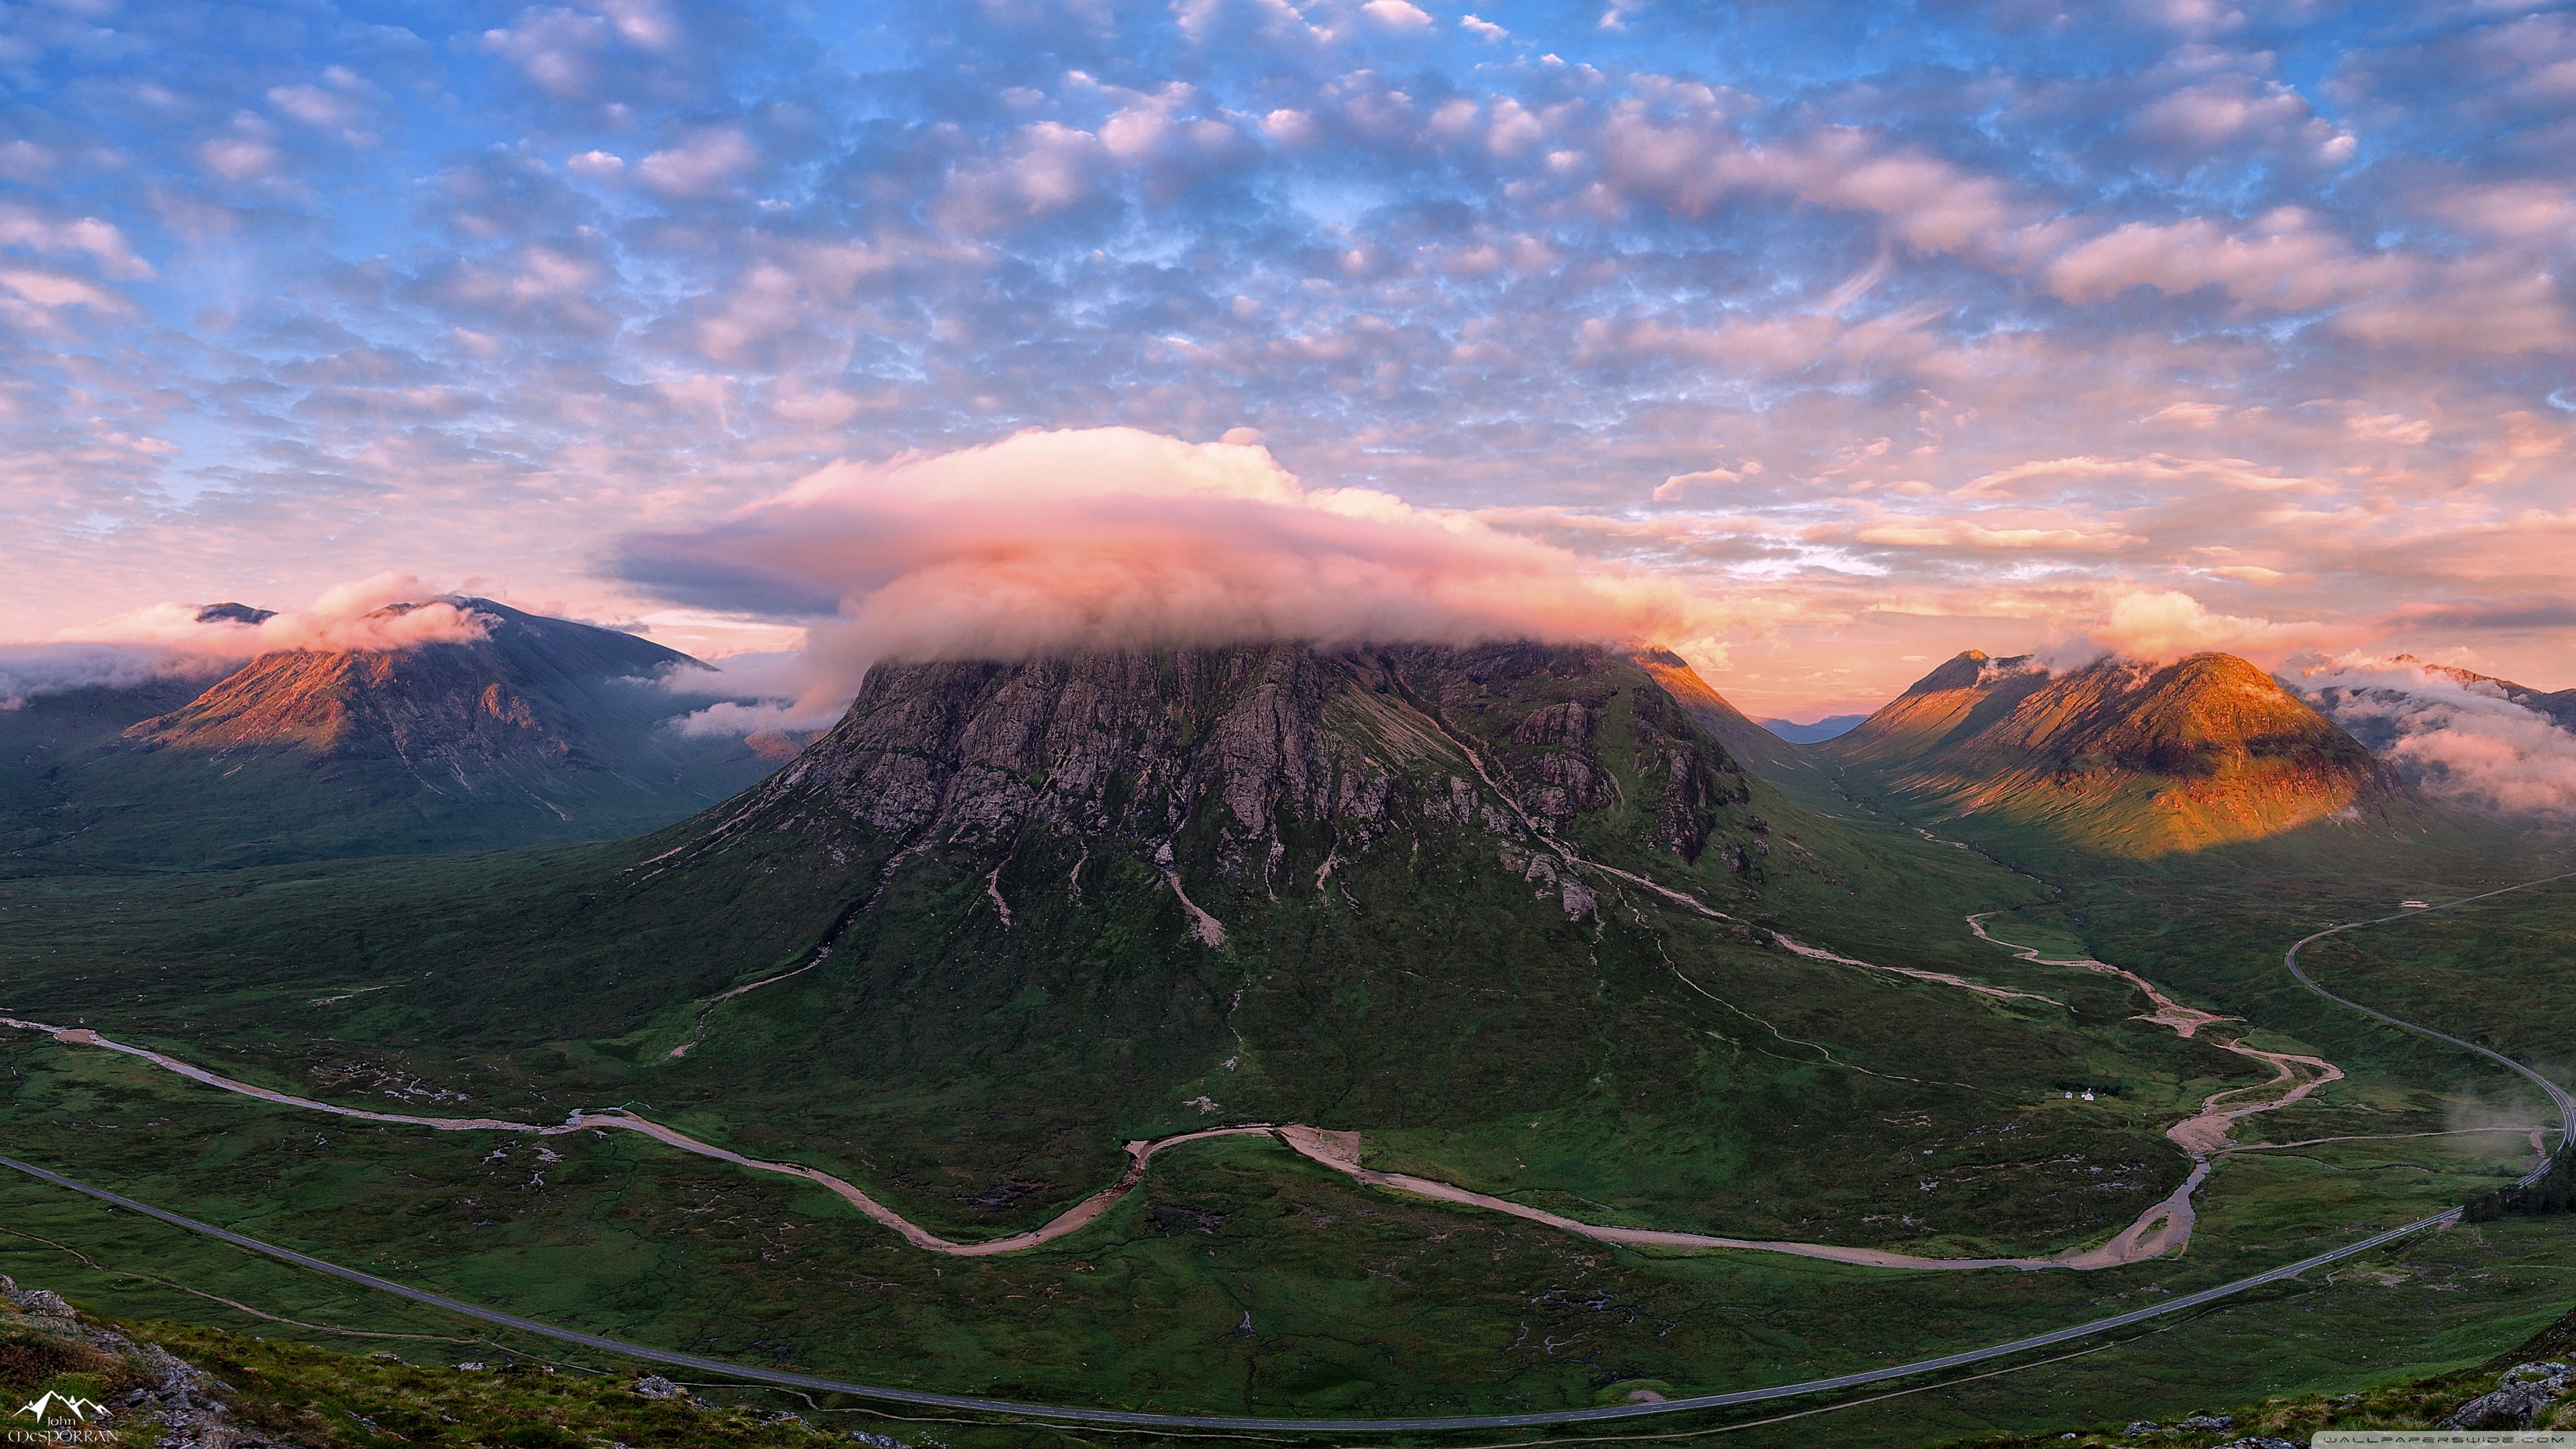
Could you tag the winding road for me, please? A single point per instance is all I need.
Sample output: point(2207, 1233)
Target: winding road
point(1333, 1149)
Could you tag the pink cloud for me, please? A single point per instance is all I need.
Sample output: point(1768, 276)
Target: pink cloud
point(2460, 738)
point(703, 165)
point(2162, 470)
point(391, 611)
point(2286, 262)
point(2153, 626)
point(387, 611)
point(22, 226)
point(1115, 536)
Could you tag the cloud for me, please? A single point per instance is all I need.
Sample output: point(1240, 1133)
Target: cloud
point(390, 611)
point(1397, 14)
point(2154, 626)
point(703, 165)
point(2303, 313)
point(1676, 486)
point(2155, 469)
point(22, 226)
point(2459, 738)
point(28, 671)
point(2287, 263)
point(2534, 611)
point(1116, 536)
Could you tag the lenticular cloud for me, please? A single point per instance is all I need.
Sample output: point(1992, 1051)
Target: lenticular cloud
point(1113, 536)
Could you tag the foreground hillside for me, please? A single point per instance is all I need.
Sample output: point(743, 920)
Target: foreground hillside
point(537, 730)
point(203, 1385)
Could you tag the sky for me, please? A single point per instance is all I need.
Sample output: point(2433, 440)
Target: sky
point(1830, 339)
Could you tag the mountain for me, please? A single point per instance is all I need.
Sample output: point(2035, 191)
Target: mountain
point(2372, 709)
point(541, 730)
point(2558, 705)
point(1508, 918)
point(1814, 733)
point(1757, 748)
point(2128, 759)
point(1509, 902)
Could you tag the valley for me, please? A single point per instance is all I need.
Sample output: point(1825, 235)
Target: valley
point(834, 1076)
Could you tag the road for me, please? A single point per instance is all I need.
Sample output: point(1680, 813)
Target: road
point(1540, 1419)
point(2557, 1094)
point(921, 1399)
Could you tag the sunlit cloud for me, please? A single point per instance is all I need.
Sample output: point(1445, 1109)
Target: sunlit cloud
point(1110, 538)
point(2263, 309)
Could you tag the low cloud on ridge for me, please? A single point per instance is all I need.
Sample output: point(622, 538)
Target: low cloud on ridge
point(2460, 739)
point(1107, 536)
point(2158, 626)
point(188, 640)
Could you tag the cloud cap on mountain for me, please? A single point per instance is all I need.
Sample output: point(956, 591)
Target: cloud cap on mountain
point(1103, 537)
point(388, 611)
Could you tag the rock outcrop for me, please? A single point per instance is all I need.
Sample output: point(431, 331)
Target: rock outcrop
point(1257, 748)
point(152, 1394)
point(2519, 1396)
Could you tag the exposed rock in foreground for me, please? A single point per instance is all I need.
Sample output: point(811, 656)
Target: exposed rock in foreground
point(141, 1388)
point(239, 1391)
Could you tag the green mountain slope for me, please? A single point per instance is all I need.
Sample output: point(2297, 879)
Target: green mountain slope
point(1507, 912)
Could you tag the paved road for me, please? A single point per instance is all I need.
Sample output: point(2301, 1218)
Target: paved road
point(969, 1403)
point(2557, 1094)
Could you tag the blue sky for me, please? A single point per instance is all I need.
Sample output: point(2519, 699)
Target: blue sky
point(1880, 331)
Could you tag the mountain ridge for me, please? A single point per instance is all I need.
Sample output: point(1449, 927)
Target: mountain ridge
point(2122, 757)
point(539, 729)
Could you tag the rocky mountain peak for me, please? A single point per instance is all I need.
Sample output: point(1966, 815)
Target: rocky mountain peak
point(2120, 755)
point(1260, 757)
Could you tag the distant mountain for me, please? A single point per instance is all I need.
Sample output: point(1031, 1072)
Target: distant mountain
point(1829, 727)
point(542, 730)
point(2123, 758)
point(2558, 705)
point(1759, 749)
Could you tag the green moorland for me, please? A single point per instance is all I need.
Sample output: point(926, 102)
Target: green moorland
point(299, 1352)
point(1642, 1065)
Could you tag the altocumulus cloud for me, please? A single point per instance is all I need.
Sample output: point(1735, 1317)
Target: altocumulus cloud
point(2020, 309)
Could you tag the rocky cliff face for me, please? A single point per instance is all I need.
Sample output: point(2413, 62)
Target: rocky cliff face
point(2130, 758)
point(1269, 757)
